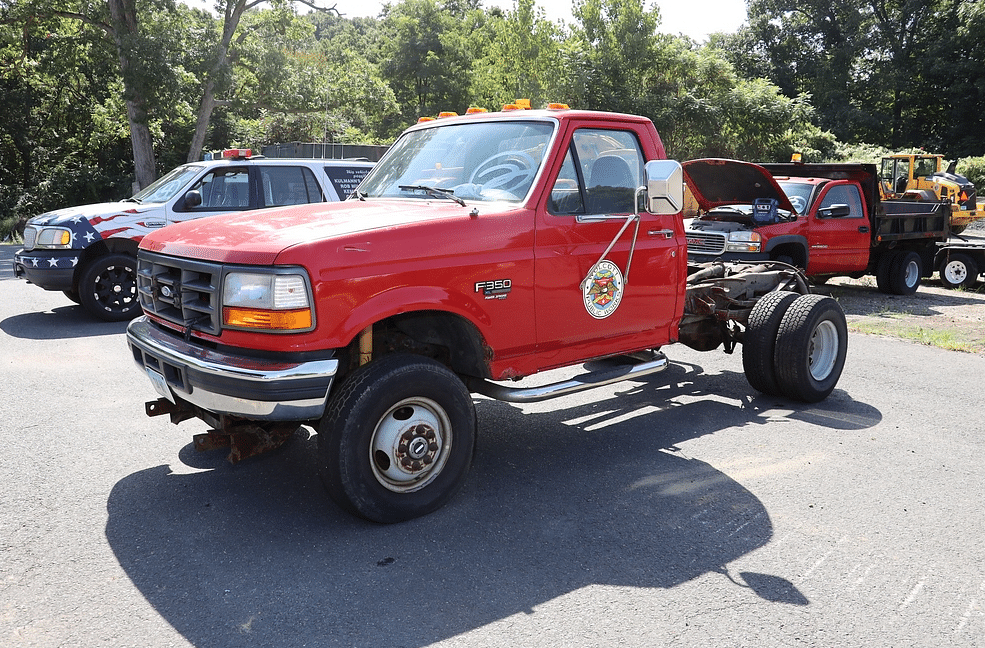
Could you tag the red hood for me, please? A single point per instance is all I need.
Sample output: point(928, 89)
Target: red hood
point(716, 182)
point(258, 237)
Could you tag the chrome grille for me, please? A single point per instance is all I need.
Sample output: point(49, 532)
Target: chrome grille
point(705, 242)
point(183, 291)
point(30, 236)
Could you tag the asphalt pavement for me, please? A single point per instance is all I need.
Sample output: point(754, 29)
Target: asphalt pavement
point(681, 509)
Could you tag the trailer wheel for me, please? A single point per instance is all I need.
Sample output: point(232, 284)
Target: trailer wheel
point(397, 439)
point(811, 347)
point(759, 340)
point(108, 288)
point(958, 270)
point(904, 273)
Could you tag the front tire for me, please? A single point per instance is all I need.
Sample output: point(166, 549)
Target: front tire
point(958, 270)
point(108, 288)
point(397, 439)
point(811, 347)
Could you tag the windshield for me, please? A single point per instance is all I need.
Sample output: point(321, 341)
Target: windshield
point(167, 186)
point(487, 161)
point(799, 194)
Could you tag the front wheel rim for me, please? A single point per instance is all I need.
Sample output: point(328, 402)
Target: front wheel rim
point(823, 350)
point(410, 445)
point(115, 288)
point(955, 272)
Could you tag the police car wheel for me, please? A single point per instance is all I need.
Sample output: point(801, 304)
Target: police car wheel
point(108, 288)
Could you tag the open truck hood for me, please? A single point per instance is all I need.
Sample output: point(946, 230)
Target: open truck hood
point(716, 182)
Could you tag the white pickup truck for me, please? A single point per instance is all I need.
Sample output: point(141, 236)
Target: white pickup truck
point(90, 252)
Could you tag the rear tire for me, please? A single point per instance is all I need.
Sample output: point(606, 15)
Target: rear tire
point(108, 288)
point(882, 272)
point(904, 273)
point(958, 270)
point(811, 347)
point(759, 340)
point(397, 439)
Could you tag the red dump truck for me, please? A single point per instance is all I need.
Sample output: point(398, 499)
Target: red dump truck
point(825, 218)
point(480, 250)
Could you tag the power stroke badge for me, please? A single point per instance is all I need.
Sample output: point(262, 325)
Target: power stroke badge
point(602, 290)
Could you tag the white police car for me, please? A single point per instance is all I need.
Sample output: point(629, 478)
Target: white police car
point(90, 252)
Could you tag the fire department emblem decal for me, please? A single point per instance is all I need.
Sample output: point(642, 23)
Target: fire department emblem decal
point(603, 290)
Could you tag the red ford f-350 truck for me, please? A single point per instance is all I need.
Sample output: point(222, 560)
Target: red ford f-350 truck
point(480, 250)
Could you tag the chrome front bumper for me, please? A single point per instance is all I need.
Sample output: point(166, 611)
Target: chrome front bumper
point(221, 383)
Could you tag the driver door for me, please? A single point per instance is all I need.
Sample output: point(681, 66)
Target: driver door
point(605, 282)
point(839, 243)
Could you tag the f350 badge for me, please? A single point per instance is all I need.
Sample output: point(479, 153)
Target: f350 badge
point(494, 288)
point(602, 290)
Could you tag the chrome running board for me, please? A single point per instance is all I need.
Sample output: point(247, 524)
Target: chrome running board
point(573, 386)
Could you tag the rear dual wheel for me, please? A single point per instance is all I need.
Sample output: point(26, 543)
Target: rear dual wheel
point(899, 272)
point(795, 346)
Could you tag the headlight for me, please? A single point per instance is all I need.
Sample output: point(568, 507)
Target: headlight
point(53, 238)
point(744, 242)
point(267, 301)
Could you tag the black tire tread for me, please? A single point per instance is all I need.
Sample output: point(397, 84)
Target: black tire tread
point(759, 340)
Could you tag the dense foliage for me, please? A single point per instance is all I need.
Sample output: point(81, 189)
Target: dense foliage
point(97, 90)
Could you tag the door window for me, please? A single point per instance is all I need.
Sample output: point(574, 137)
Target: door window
point(288, 185)
point(600, 174)
point(844, 195)
point(224, 188)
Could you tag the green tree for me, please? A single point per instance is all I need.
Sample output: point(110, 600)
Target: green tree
point(617, 41)
point(426, 57)
point(876, 70)
point(522, 60)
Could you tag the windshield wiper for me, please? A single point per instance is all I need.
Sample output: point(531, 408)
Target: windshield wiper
point(437, 192)
point(358, 194)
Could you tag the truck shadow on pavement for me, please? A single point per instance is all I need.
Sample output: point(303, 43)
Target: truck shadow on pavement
point(557, 501)
point(64, 322)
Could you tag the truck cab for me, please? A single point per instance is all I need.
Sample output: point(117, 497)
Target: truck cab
point(819, 224)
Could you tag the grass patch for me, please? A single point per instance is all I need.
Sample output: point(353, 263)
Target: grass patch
point(892, 325)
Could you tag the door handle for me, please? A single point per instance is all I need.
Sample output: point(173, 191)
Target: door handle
point(666, 233)
point(863, 229)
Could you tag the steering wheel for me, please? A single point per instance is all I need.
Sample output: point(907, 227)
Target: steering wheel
point(509, 171)
point(798, 203)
